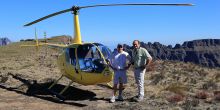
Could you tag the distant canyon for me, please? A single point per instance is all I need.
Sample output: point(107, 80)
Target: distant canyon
point(204, 52)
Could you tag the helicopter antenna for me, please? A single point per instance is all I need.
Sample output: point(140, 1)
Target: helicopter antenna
point(45, 36)
point(35, 32)
point(75, 10)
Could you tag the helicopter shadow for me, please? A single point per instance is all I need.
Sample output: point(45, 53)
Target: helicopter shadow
point(39, 90)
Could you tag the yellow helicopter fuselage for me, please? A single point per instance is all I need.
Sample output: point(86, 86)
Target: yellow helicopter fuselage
point(78, 75)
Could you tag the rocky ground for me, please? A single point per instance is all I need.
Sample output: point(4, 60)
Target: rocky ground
point(25, 73)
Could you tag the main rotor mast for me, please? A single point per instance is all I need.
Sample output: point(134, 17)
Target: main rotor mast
point(77, 34)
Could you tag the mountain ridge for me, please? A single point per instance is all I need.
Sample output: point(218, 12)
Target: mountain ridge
point(4, 41)
point(204, 52)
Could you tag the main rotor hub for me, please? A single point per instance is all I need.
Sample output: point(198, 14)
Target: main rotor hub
point(75, 10)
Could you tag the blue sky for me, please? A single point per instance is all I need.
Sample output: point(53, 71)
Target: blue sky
point(112, 25)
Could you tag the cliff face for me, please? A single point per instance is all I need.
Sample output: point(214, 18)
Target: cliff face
point(4, 41)
point(204, 52)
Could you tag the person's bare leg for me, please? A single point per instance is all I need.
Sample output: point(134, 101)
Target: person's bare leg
point(114, 89)
point(114, 93)
point(121, 88)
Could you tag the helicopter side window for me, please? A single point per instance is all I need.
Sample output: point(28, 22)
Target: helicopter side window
point(72, 56)
point(106, 52)
point(96, 54)
point(67, 55)
point(98, 61)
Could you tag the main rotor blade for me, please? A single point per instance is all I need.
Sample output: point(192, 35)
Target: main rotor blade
point(48, 16)
point(102, 5)
point(139, 4)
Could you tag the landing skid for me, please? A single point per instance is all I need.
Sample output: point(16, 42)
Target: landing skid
point(56, 94)
point(110, 85)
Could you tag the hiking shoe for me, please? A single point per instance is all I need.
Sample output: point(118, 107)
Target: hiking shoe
point(112, 100)
point(140, 98)
point(120, 98)
point(135, 97)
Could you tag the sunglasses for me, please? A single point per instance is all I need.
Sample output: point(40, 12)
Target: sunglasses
point(135, 44)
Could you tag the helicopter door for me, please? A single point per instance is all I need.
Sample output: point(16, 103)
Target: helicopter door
point(71, 64)
point(98, 61)
point(89, 59)
point(72, 55)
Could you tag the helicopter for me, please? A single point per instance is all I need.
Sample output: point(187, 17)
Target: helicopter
point(85, 63)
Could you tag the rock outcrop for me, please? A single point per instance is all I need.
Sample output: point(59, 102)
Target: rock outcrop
point(4, 41)
point(204, 52)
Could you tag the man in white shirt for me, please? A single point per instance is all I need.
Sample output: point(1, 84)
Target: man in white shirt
point(119, 62)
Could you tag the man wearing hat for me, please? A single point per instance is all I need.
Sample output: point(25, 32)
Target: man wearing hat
point(119, 62)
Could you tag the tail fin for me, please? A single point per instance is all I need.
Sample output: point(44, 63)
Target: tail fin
point(37, 42)
point(35, 31)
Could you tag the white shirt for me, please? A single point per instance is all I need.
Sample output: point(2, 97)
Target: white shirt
point(119, 60)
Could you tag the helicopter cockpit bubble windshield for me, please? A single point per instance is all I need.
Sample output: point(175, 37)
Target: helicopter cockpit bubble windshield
point(91, 57)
